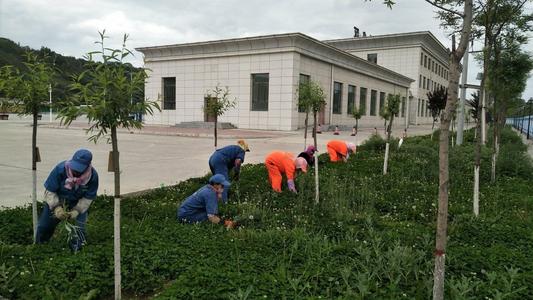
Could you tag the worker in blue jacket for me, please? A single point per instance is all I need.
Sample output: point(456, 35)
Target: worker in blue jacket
point(226, 159)
point(203, 204)
point(71, 187)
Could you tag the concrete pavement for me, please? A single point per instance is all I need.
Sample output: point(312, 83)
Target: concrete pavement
point(150, 158)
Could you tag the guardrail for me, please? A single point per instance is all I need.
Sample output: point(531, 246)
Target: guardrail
point(523, 124)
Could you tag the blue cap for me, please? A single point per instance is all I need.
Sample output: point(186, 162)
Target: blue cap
point(81, 160)
point(219, 179)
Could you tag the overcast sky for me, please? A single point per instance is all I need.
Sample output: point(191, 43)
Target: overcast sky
point(71, 27)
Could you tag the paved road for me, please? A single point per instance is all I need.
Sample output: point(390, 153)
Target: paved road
point(150, 158)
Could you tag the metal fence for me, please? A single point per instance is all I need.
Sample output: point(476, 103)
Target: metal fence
point(523, 124)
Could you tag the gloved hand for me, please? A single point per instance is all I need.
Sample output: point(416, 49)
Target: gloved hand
point(229, 224)
point(60, 213)
point(292, 188)
point(73, 214)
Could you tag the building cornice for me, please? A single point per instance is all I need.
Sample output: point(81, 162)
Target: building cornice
point(276, 43)
point(423, 39)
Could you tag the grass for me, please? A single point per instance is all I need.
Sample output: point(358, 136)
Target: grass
point(371, 236)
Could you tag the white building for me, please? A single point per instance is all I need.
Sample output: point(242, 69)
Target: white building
point(263, 74)
point(417, 55)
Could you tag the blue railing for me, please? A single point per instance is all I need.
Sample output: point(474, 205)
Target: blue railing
point(523, 124)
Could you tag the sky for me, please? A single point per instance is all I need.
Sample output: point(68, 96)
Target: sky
point(71, 27)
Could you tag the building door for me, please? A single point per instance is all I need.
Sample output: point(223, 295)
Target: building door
point(322, 116)
point(207, 116)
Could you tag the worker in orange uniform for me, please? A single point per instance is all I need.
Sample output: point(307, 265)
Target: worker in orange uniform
point(340, 150)
point(278, 163)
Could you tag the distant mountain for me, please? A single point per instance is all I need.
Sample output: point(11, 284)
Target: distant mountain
point(12, 53)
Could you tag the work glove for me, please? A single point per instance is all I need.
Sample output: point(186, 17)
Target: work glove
point(73, 214)
point(292, 188)
point(229, 224)
point(60, 213)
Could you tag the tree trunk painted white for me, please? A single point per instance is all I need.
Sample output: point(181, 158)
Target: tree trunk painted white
point(34, 203)
point(116, 215)
point(476, 191)
point(317, 189)
point(34, 157)
point(386, 160)
point(461, 112)
point(317, 197)
point(438, 293)
point(495, 154)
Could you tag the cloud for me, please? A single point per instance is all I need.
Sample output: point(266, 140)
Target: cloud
point(71, 27)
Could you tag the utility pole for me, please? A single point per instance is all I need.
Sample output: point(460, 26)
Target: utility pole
point(50, 93)
point(461, 114)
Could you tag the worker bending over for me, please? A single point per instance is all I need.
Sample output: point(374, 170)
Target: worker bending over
point(278, 163)
point(340, 150)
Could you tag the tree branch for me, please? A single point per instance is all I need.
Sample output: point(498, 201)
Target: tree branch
point(445, 9)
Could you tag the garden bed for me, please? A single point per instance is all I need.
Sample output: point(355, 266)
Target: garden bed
point(371, 236)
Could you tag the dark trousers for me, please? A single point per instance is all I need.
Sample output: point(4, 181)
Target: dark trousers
point(47, 225)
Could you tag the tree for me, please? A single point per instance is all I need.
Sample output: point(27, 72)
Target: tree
point(107, 89)
point(458, 15)
point(385, 115)
point(305, 104)
point(357, 114)
point(391, 109)
point(28, 89)
point(217, 104)
point(436, 103)
point(508, 73)
point(311, 97)
point(494, 19)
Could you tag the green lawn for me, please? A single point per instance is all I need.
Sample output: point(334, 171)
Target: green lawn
point(371, 236)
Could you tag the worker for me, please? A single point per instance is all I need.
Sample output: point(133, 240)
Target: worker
point(278, 163)
point(70, 189)
point(203, 204)
point(226, 159)
point(340, 150)
point(309, 155)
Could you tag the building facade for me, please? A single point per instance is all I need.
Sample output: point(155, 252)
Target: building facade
point(417, 55)
point(263, 74)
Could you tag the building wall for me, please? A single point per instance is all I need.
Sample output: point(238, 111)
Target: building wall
point(323, 72)
point(194, 77)
point(406, 61)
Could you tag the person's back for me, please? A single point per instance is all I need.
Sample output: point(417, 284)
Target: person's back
point(198, 204)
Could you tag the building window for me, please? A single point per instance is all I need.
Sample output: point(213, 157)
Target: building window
point(373, 102)
point(419, 81)
point(381, 100)
point(424, 82)
point(260, 92)
point(422, 108)
point(303, 80)
point(425, 61)
point(337, 98)
point(428, 84)
point(418, 109)
point(403, 107)
point(362, 101)
point(351, 99)
point(421, 59)
point(169, 93)
point(372, 57)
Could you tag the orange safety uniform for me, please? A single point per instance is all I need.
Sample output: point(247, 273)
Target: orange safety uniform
point(277, 163)
point(337, 150)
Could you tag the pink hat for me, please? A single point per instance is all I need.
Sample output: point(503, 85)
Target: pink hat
point(310, 149)
point(301, 164)
point(351, 147)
